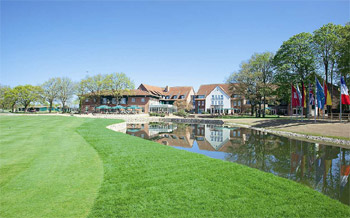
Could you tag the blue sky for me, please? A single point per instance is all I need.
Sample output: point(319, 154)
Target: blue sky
point(154, 42)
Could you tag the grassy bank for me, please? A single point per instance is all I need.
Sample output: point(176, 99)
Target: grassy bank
point(140, 178)
point(47, 169)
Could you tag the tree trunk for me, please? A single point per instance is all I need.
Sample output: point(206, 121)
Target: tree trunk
point(50, 108)
point(251, 110)
point(264, 106)
point(260, 107)
point(13, 107)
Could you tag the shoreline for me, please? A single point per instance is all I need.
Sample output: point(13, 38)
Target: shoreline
point(145, 118)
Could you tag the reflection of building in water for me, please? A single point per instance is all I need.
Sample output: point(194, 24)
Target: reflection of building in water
point(216, 138)
point(180, 137)
point(147, 131)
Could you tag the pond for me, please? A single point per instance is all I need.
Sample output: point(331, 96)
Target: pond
point(324, 168)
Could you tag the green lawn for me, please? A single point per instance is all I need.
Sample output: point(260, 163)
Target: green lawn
point(74, 167)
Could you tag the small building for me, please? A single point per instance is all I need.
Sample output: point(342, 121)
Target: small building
point(39, 108)
point(219, 99)
point(134, 97)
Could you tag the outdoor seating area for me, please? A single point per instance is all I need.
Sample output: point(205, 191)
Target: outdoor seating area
point(105, 109)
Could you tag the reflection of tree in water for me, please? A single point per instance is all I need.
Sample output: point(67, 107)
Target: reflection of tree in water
point(256, 152)
point(315, 166)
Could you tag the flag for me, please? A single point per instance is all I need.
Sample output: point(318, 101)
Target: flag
point(303, 99)
point(344, 92)
point(295, 98)
point(311, 96)
point(326, 93)
point(321, 98)
point(299, 95)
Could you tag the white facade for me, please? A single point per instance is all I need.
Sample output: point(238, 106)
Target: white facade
point(217, 137)
point(217, 100)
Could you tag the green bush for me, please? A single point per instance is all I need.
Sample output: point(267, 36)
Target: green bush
point(181, 113)
point(156, 114)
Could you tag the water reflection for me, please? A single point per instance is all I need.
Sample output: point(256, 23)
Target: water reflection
point(322, 167)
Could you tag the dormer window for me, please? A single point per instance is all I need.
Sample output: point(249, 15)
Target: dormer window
point(182, 96)
point(167, 97)
point(174, 97)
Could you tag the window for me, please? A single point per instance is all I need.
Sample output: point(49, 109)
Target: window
point(248, 102)
point(132, 99)
point(200, 96)
point(123, 101)
point(202, 103)
point(142, 99)
point(87, 100)
point(239, 103)
point(199, 103)
point(167, 97)
point(114, 101)
point(182, 96)
point(104, 100)
point(234, 103)
point(222, 96)
point(174, 97)
point(212, 102)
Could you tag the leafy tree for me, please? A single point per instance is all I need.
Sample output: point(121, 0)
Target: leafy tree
point(183, 105)
point(295, 57)
point(246, 83)
point(65, 91)
point(81, 91)
point(95, 86)
point(28, 94)
point(12, 97)
point(118, 84)
point(50, 91)
point(325, 42)
point(4, 104)
point(262, 66)
point(343, 54)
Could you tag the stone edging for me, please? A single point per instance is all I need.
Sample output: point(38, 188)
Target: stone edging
point(298, 135)
point(118, 127)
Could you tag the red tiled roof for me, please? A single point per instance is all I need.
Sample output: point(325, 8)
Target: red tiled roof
point(206, 89)
point(176, 90)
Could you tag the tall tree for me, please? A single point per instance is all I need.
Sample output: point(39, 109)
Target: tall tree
point(95, 86)
point(4, 103)
point(118, 84)
point(325, 42)
point(50, 91)
point(297, 58)
point(28, 94)
point(262, 66)
point(12, 97)
point(246, 82)
point(343, 54)
point(66, 89)
point(81, 91)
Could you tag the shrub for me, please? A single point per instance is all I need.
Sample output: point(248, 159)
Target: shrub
point(181, 113)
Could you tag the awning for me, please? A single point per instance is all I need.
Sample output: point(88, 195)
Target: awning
point(103, 107)
point(118, 107)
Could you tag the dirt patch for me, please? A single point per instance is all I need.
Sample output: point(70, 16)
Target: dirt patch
point(320, 128)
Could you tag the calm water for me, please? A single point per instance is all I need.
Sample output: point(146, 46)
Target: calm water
point(322, 167)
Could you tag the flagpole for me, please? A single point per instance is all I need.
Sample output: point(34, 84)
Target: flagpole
point(291, 100)
point(315, 99)
point(340, 114)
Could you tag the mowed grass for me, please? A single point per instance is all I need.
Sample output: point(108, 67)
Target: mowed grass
point(147, 179)
point(74, 167)
point(46, 168)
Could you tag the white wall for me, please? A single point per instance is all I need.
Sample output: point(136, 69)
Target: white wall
point(217, 92)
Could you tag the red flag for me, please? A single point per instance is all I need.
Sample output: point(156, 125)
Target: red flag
point(295, 98)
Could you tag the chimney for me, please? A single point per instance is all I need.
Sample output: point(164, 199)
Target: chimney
point(167, 89)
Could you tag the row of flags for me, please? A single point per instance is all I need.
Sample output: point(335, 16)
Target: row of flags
point(322, 94)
